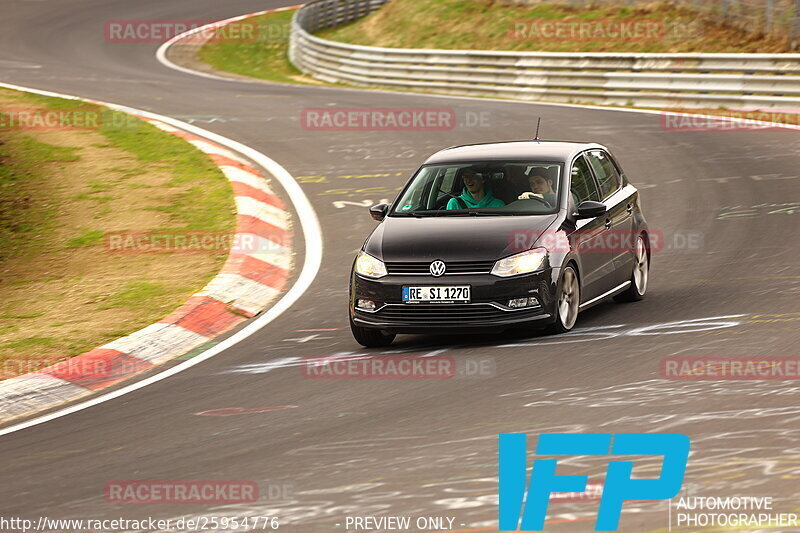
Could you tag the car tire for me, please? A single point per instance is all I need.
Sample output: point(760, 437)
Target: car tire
point(568, 299)
point(371, 338)
point(640, 275)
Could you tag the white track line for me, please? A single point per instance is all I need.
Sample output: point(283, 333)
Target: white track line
point(313, 257)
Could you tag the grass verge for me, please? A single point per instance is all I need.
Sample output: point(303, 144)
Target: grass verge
point(64, 187)
point(265, 57)
point(490, 25)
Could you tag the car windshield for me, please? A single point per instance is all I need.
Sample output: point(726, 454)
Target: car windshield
point(488, 188)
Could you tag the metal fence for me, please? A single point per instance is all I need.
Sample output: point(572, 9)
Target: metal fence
point(648, 80)
point(317, 16)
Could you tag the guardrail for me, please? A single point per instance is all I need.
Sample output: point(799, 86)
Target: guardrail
point(646, 80)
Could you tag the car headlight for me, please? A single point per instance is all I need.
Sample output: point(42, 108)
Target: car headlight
point(521, 263)
point(368, 266)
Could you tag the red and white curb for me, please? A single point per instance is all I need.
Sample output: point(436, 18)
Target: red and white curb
point(251, 279)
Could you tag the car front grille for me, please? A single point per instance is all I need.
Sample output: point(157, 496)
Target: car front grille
point(420, 268)
point(461, 314)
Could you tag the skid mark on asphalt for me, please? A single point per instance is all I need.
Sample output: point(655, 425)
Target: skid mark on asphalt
point(737, 457)
point(457, 477)
point(323, 178)
point(475, 497)
point(578, 335)
point(232, 411)
point(654, 392)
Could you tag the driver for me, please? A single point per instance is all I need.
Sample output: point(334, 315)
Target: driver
point(475, 193)
point(541, 187)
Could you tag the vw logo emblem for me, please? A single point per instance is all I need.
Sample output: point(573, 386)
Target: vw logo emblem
point(437, 268)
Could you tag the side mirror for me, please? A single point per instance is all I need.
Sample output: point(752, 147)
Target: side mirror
point(378, 212)
point(591, 209)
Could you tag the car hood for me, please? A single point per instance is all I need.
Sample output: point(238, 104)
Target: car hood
point(455, 238)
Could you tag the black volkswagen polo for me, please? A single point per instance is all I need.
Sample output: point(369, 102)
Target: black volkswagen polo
point(492, 236)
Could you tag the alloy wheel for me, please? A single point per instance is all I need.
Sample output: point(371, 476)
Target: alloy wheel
point(569, 300)
point(641, 268)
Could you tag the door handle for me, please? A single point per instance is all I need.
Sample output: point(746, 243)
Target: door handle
point(608, 223)
point(630, 208)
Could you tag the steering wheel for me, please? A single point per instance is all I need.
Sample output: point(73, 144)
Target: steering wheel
point(545, 202)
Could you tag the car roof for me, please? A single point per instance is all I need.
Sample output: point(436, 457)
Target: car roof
point(512, 151)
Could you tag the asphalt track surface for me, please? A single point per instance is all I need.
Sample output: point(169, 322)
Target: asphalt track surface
point(429, 447)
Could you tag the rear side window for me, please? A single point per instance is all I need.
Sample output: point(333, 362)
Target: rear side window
point(607, 175)
point(582, 185)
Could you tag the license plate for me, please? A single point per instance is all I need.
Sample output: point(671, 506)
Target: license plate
point(440, 295)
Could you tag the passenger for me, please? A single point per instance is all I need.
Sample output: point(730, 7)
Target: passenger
point(475, 193)
point(540, 187)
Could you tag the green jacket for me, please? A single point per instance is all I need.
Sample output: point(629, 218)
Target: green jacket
point(487, 201)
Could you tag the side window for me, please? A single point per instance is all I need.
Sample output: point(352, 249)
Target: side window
point(582, 185)
point(607, 175)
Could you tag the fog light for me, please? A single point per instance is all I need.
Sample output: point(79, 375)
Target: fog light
point(367, 305)
point(517, 303)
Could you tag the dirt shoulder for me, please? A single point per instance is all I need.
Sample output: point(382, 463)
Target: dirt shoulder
point(71, 175)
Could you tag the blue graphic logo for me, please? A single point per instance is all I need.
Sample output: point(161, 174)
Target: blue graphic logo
point(532, 508)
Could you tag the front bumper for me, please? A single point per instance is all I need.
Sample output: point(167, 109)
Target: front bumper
point(487, 311)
